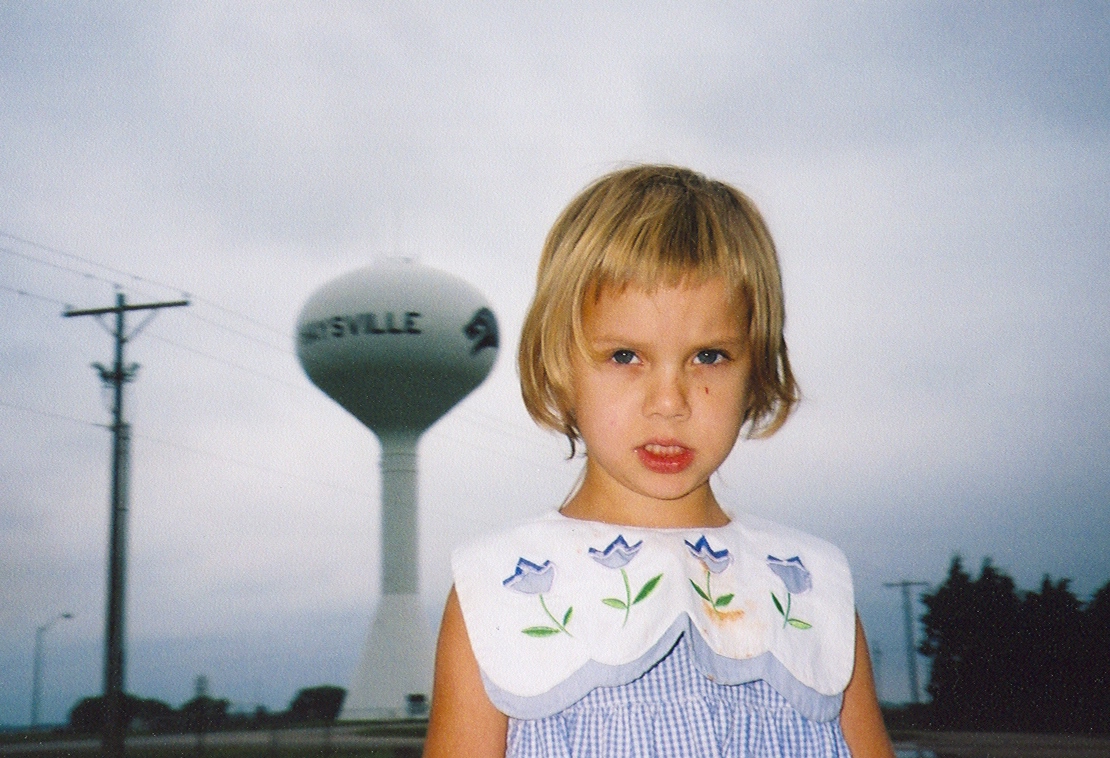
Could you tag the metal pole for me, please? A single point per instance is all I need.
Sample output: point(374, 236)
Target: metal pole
point(36, 668)
point(911, 648)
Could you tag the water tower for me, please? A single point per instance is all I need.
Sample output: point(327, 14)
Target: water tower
point(396, 344)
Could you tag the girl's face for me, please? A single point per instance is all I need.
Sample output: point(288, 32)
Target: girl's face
point(659, 402)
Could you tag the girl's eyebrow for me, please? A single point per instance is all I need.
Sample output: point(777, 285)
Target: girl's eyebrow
point(718, 340)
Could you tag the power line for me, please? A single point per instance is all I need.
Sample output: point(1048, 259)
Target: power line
point(242, 368)
point(129, 275)
point(256, 340)
point(497, 426)
point(86, 261)
point(33, 296)
point(195, 450)
point(60, 267)
point(51, 414)
point(242, 316)
point(283, 350)
point(256, 466)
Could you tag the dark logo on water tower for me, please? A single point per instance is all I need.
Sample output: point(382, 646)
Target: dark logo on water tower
point(481, 330)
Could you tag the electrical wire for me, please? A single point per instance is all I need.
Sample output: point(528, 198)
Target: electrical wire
point(33, 296)
point(217, 359)
point(51, 414)
point(491, 424)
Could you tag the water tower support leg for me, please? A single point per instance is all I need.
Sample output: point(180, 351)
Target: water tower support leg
point(399, 654)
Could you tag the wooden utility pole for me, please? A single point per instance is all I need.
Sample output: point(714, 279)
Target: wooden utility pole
point(116, 377)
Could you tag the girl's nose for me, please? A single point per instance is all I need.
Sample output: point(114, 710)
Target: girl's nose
point(666, 395)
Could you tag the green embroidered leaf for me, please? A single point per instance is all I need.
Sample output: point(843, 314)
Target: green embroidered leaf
point(723, 600)
point(612, 602)
point(540, 631)
point(647, 588)
point(700, 591)
point(778, 604)
point(566, 616)
point(799, 624)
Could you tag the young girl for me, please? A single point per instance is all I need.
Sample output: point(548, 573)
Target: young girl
point(641, 618)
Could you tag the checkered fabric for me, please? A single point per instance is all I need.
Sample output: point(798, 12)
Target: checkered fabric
point(675, 711)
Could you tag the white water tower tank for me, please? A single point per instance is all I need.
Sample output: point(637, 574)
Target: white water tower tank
point(397, 344)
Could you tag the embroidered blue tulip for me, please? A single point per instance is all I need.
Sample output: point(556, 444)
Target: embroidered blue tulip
point(536, 579)
point(531, 579)
point(798, 581)
point(715, 561)
point(617, 555)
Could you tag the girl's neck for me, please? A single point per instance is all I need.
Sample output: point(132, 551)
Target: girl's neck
point(595, 502)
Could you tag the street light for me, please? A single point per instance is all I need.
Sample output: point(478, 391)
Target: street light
point(36, 673)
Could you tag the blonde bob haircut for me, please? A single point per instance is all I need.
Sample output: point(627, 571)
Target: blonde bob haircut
point(652, 226)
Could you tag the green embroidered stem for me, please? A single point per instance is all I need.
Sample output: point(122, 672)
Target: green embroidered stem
point(627, 597)
point(554, 620)
point(707, 594)
point(785, 612)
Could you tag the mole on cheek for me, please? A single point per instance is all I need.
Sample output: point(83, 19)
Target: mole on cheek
point(707, 390)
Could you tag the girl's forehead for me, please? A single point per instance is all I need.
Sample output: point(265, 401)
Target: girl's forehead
point(669, 294)
point(704, 307)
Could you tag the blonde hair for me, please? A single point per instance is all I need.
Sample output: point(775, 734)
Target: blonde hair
point(652, 226)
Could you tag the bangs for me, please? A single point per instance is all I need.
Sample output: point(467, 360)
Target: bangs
point(670, 235)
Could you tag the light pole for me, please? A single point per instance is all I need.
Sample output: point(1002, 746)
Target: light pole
point(36, 670)
point(911, 646)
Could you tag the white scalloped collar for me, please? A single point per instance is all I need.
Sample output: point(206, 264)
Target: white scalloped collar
point(558, 606)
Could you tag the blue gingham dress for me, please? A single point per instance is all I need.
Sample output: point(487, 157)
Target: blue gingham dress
point(675, 710)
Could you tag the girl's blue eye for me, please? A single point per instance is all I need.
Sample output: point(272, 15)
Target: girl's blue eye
point(709, 357)
point(624, 357)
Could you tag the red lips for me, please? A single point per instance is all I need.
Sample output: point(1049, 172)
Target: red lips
point(665, 457)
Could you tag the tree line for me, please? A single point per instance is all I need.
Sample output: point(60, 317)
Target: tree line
point(1010, 660)
point(206, 714)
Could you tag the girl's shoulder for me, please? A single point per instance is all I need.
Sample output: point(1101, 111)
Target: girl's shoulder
point(557, 606)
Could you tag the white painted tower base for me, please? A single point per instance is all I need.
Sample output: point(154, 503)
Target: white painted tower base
point(396, 663)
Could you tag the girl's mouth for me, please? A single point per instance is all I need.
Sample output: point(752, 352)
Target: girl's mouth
point(665, 458)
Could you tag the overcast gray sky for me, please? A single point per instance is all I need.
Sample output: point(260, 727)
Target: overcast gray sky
point(936, 175)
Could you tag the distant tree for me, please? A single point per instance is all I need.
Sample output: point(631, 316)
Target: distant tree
point(971, 632)
point(205, 714)
point(317, 704)
point(87, 716)
point(1049, 667)
point(1004, 660)
point(1096, 654)
point(154, 716)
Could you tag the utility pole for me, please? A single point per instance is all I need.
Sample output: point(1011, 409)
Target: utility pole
point(116, 377)
point(911, 647)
